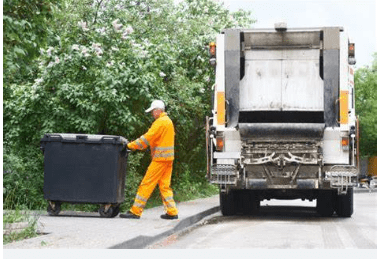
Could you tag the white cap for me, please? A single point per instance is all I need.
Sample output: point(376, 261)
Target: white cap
point(156, 104)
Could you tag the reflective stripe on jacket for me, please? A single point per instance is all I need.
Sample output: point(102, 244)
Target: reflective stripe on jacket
point(160, 138)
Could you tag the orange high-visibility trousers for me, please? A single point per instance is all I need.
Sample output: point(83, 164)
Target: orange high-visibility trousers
point(159, 172)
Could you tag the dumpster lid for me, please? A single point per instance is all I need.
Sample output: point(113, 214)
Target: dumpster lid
point(83, 138)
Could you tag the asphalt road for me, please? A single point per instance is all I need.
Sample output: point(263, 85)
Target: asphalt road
point(283, 225)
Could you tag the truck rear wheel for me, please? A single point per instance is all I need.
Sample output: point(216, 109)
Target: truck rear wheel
point(247, 203)
point(227, 203)
point(239, 202)
point(344, 204)
point(325, 203)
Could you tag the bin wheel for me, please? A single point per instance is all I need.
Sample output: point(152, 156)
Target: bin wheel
point(116, 211)
point(111, 212)
point(53, 208)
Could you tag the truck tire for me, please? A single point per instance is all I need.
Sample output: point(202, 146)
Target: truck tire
point(344, 204)
point(227, 203)
point(325, 203)
point(247, 203)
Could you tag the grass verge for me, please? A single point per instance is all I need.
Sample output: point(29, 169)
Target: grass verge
point(18, 225)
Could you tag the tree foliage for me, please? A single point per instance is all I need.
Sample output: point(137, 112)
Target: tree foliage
point(366, 107)
point(24, 31)
point(102, 64)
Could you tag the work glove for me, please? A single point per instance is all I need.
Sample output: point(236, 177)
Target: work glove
point(129, 146)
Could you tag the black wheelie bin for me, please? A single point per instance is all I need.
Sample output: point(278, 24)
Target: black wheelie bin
point(83, 168)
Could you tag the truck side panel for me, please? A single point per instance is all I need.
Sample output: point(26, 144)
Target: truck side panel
point(331, 74)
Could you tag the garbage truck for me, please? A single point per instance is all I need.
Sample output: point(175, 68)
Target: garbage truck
point(283, 123)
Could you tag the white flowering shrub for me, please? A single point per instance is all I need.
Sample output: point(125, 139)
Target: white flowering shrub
point(108, 60)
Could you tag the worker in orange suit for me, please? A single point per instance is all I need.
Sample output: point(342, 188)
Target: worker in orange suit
point(160, 138)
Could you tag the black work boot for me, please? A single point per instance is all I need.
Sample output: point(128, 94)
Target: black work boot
point(166, 216)
point(128, 214)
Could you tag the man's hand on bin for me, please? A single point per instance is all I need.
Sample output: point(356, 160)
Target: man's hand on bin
point(130, 147)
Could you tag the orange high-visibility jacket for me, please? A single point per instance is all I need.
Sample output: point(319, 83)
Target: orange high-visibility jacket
point(160, 137)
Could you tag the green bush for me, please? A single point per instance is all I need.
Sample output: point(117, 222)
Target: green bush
point(23, 179)
point(103, 64)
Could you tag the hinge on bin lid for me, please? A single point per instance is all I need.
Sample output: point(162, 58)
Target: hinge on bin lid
point(49, 137)
point(53, 137)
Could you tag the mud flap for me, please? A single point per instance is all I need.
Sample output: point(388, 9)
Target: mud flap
point(344, 204)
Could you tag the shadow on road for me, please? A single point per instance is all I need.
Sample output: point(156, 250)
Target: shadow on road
point(290, 213)
point(76, 214)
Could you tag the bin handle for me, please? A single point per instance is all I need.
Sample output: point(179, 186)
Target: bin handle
point(112, 139)
point(53, 136)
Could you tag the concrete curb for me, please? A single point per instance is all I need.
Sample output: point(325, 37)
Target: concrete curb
point(16, 227)
point(142, 241)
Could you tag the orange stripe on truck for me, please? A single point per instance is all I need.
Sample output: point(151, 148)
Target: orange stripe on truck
point(344, 107)
point(221, 108)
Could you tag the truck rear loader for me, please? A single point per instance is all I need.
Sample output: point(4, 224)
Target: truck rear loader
point(283, 122)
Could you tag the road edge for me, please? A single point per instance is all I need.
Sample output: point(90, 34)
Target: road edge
point(143, 241)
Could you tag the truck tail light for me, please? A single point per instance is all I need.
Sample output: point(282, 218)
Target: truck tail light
point(220, 143)
point(212, 48)
point(345, 143)
point(351, 50)
point(351, 54)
